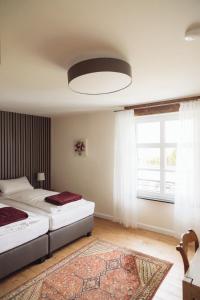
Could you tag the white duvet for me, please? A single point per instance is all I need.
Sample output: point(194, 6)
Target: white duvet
point(21, 232)
point(36, 198)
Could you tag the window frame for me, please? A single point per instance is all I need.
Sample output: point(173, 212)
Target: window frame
point(162, 145)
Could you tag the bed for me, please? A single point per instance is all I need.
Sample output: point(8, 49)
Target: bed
point(66, 223)
point(63, 229)
point(22, 242)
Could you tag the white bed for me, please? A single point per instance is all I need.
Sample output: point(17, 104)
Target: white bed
point(66, 223)
point(72, 213)
point(26, 241)
point(20, 193)
point(21, 232)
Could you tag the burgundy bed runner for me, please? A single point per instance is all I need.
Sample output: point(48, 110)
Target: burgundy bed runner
point(10, 215)
point(63, 198)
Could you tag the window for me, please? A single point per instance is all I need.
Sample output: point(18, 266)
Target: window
point(156, 145)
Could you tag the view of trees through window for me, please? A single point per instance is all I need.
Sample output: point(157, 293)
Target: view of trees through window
point(156, 144)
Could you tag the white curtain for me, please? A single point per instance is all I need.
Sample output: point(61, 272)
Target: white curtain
point(187, 196)
point(125, 170)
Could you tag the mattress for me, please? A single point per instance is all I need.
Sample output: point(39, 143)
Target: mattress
point(21, 232)
point(76, 211)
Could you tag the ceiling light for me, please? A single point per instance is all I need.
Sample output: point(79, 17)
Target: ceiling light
point(192, 34)
point(99, 76)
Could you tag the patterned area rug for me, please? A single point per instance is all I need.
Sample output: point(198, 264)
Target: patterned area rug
point(98, 271)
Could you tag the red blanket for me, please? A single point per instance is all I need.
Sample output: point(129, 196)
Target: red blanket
point(10, 215)
point(63, 198)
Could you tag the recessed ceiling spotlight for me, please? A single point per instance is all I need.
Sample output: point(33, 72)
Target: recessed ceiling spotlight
point(192, 33)
point(99, 76)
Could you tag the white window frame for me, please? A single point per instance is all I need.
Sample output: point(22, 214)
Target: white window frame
point(162, 196)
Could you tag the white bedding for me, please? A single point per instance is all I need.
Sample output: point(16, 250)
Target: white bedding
point(21, 232)
point(36, 198)
point(10, 186)
point(73, 212)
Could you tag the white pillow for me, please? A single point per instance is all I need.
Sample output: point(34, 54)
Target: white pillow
point(11, 186)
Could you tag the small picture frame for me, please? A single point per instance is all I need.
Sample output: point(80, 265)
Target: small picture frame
point(80, 147)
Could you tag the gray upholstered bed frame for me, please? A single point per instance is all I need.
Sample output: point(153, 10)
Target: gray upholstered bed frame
point(43, 246)
point(15, 259)
point(63, 236)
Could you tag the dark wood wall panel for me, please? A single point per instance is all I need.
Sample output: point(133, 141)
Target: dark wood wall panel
point(25, 143)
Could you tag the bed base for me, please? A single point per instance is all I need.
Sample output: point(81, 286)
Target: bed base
point(18, 257)
point(69, 233)
point(44, 246)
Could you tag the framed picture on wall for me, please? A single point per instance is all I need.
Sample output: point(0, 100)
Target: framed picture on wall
point(80, 147)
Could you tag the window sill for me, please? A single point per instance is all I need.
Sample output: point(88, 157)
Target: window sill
point(157, 200)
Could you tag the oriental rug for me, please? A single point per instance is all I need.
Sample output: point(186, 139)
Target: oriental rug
point(98, 271)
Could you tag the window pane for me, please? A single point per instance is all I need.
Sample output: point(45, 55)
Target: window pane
point(170, 176)
point(149, 175)
point(169, 182)
point(148, 186)
point(171, 131)
point(149, 158)
point(170, 158)
point(148, 132)
point(170, 188)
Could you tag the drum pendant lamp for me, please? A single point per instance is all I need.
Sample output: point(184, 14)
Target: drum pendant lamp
point(99, 76)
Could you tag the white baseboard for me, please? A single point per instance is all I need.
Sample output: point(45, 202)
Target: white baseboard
point(103, 216)
point(140, 225)
point(156, 229)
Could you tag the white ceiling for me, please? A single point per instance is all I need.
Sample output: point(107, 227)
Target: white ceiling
point(40, 39)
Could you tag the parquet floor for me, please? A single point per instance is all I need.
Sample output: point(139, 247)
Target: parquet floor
point(150, 243)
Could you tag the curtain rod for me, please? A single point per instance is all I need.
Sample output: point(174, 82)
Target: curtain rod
point(159, 103)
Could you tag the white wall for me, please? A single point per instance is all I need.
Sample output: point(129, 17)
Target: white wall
point(92, 176)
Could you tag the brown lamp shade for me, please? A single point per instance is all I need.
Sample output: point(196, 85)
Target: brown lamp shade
point(99, 76)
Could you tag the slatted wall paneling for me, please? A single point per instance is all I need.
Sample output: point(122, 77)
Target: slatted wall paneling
point(25, 143)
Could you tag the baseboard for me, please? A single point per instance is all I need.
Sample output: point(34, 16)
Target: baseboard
point(103, 216)
point(140, 225)
point(156, 229)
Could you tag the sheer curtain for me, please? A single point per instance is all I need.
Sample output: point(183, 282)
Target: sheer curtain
point(187, 197)
point(125, 170)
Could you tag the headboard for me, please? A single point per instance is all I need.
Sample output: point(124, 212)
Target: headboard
point(25, 147)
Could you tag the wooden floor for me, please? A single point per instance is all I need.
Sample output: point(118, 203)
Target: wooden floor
point(151, 243)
